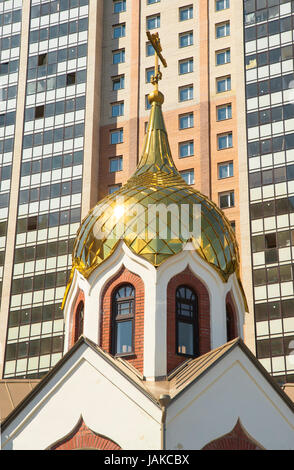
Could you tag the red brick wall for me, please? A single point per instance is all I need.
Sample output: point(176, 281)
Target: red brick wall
point(124, 276)
point(80, 298)
point(186, 278)
point(83, 438)
point(232, 310)
point(237, 439)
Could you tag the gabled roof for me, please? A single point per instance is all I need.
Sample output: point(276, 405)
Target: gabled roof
point(175, 384)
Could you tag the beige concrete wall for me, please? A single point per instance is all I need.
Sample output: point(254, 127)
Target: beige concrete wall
point(93, 105)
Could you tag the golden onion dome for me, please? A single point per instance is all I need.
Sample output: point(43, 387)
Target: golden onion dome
point(155, 182)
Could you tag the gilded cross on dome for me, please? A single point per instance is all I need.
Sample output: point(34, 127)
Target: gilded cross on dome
point(155, 41)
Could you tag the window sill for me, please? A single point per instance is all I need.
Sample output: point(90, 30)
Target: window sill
point(128, 355)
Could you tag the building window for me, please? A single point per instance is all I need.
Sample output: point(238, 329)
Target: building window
point(70, 78)
point(223, 84)
point(226, 200)
point(119, 31)
point(186, 121)
point(188, 176)
point(186, 13)
point(149, 2)
point(116, 137)
point(149, 49)
point(185, 66)
point(123, 314)
point(186, 149)
point(79, 321)
point(186, 39)
point(225, 141)
point(224, 112)
point(186, 93)
point(222, 30)
point(117, 109)
point(118, 83)
point(42, 59)
point(119, 6)
point(225, 170)
point(118, 57)
point(113, 188)
point(147, 103)
point(187, 340)
point(223, 57)
point(222, 5)
point(115, 164)
point(230, 323)
point(149, 72)
point(39, 112)
point(153, 22)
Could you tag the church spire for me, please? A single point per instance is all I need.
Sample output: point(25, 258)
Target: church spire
point(156, 156)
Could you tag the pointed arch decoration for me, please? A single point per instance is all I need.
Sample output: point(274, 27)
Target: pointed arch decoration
point(82, 438)
point(76, 325)
point(187, 278)
point(237, 439)
point(122, 277)
point(231, 318)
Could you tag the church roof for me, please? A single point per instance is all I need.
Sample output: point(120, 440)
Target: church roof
point(12, 392)
point(174, 385)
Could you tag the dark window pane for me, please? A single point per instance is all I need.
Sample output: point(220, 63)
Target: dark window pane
point(124, 337)
point(185, 338)
point(271, 256)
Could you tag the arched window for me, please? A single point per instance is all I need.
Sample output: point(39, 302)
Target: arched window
point(230, 323)
point(79, 321)
point(123, 308)
point(186, 322)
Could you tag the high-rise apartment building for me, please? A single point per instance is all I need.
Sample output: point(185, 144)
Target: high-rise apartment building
point(75, 75)
point(44, 47)
point(270, 120)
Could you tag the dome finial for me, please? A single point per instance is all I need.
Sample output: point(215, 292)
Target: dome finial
point(156, 96)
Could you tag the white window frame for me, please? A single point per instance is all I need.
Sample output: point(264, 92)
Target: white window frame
point(225, 55)
point(189, 9)
point(190, 117)
point(189, 145)
point(190, 89)
point(120, 109)
point(119, 27)
point(117, 2)
point(189, 174)
point(227, 80)
point(228, 112)
point(118, 132)
point(219, 3)
point(114, 160)
point(190, 65)
point(229, 167)
point(189, 35)
point(226, 28)
point(227, 138)
point(230, 197)
point(121, 53)
point(156, 23)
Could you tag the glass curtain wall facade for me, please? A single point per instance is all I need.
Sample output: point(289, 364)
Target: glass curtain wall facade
point(269, 53)
point(10, 28)
point(50, 185)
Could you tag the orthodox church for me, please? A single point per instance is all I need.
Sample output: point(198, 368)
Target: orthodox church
point(153, 354)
